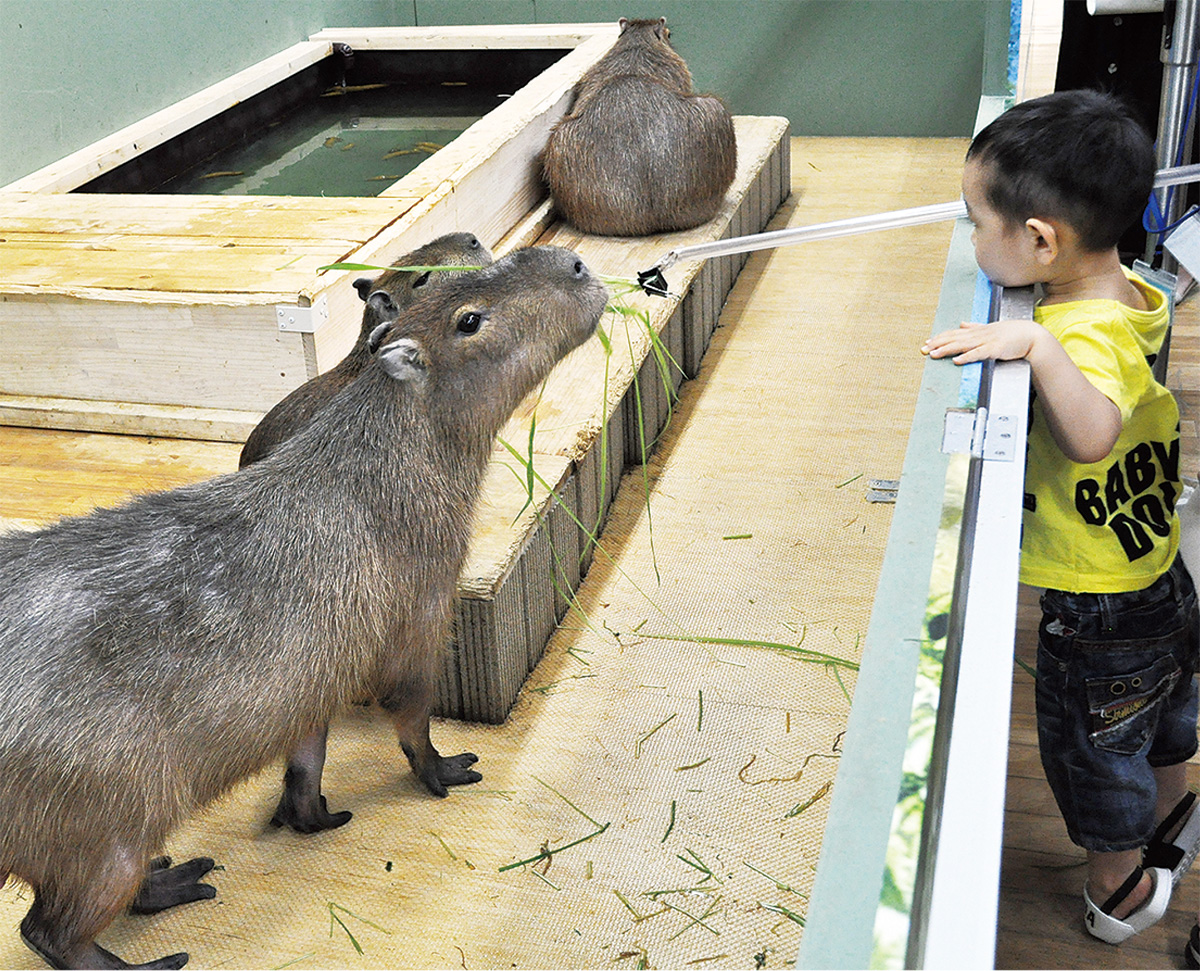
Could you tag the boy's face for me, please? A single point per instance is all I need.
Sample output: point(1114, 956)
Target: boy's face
point(1005, 252)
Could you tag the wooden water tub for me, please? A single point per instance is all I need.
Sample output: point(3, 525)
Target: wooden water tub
point(190, 316)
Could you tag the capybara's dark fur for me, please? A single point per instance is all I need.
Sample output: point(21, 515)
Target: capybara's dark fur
point(640, 152)
point(302, 806)
point(384, 297)
point(154, 654)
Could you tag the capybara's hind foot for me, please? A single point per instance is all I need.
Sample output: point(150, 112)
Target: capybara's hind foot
point(307, 815)
point(86, 956)
point(168, 886)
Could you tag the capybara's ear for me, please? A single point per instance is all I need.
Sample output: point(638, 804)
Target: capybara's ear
point(623, 23)
point(363, 286)
point(383, 303)
point(403, 360)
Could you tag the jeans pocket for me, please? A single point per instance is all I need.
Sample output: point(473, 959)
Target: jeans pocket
point(1123, 709)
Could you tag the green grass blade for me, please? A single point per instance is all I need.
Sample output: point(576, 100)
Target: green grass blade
point(546, 854)
point(804, 654)
point(405, 269)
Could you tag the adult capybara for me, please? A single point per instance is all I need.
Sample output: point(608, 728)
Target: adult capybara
point(301, 805)
point(640, 152)
point(385, 296)
point(154, 654)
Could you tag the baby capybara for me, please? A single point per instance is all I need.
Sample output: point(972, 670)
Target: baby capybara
point(640, 152)
point(302, 806)
point(154, 654)
point(384, 297)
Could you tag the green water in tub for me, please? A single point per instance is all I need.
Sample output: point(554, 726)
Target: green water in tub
point(354, 143)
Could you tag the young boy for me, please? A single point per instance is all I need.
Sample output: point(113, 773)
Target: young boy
point(1050, 186)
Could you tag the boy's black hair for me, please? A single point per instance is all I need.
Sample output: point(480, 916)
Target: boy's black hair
point(1077, 156)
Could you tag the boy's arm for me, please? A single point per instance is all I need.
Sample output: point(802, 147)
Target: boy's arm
point(1083, 422)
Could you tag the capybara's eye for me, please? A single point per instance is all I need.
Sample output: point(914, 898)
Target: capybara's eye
point(421, 280)
point(470, 322)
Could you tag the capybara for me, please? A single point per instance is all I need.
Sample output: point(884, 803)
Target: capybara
point(384, 297)
point(154, 654)
point(301, 805)
point(640, 152)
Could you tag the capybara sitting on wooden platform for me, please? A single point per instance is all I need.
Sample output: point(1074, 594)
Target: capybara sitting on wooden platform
point(154, 654)
point(640, 152)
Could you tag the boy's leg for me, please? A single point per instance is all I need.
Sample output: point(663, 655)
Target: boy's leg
point(1108, 871)
point(1110, 682)
point(1172, 786)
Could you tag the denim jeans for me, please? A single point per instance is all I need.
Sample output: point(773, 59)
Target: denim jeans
point(1116, 698)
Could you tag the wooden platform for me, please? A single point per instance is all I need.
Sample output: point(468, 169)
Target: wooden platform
point(191, 316)
point(597, 415)
point(696, 754)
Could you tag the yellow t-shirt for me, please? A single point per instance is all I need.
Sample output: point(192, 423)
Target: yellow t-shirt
point(1108, 526)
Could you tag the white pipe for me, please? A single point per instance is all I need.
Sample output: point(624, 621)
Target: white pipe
point(895, 219)
point(802, 234)
point(1110, 7)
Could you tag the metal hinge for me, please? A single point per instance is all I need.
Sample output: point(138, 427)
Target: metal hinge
point(983, 435)
point(294, 319)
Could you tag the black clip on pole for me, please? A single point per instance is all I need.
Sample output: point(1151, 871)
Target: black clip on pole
point(653, 282)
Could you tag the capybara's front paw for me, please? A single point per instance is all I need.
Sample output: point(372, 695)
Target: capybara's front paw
point(307, 816)
point(455, 770)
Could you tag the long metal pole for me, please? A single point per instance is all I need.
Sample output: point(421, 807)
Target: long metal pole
point(1176, 114)
point(652, 281)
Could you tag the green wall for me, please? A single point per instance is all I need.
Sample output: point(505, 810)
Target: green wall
point(73, 71)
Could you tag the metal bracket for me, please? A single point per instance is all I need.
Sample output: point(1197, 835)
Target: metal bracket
point(983, 435)
point(882, 490)
point(294, 319)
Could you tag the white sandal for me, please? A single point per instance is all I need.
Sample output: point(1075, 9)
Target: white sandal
point(1178, 854)
point(1100, 922)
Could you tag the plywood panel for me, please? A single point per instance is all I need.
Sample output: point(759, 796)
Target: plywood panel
point(275, 217)
point(160, 265)
point(132, 352)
